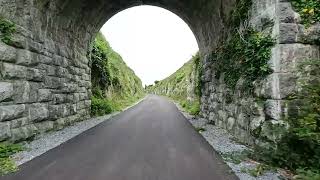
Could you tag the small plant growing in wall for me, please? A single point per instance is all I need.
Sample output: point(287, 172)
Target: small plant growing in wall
point(309, 10)
point(7, 29)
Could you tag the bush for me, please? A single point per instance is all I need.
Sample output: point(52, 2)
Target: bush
point(100, 107)
point(6, 164)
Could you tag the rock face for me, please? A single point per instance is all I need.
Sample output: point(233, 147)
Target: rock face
point(45, 74)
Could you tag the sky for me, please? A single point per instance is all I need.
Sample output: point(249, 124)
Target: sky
point(152, 41)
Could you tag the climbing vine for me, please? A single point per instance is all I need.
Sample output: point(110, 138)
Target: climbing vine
point(7, 29)
point(245, 55)
point(309, 10)
point(240, 12)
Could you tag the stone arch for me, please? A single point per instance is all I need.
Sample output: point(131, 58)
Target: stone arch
point(45, 73)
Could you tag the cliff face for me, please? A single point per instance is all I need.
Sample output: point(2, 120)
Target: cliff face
point(182, 86)
point(114, 84)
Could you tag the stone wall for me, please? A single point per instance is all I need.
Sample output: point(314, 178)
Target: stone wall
point(44, 84)
point(45, 75)
point(259, 117)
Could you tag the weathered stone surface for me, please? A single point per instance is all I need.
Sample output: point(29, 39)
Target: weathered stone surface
point(7, 53)
point(11, 112)
point(45, 126)
point(5, 131)
point(44, 95)
point(6, 91)
point(11, 71)
point(23, 133)
point(38, 112)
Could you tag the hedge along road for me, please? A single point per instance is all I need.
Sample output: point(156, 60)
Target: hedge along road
point(151, 141)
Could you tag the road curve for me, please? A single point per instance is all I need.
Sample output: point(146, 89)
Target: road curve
point(151, 141)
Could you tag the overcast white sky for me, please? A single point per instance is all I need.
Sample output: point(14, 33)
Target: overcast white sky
point(152, 41)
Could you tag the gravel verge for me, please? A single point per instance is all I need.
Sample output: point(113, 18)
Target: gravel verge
point(47, 141)
point(224, 144)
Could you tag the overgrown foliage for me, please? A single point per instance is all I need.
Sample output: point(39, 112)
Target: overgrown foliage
point(114, 84)
point(6, 164)
point(309, 10)
point(245, 55)
point(184, 86)
point(299, 149)
point(240, 12)
point(7, 29)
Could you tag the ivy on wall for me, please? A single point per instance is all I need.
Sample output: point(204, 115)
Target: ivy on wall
point(7, 29)
point(309, 10)
point(245, 55)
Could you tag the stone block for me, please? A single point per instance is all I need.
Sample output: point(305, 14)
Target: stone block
point(7, 53)
point(38, 112)
point(26, 58)
point(44, 95)
point(6, 91)
point(23, 133)
point(11, 112)
point(11, 71)
point(5, 131)
point(287, 57)
point(26, 91)
point(286, 13)
point(45, 126)
point(288, 33)
point(17, 123)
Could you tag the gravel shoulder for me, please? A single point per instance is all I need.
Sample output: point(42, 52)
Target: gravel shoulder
point(226, 146)
point(47, 141)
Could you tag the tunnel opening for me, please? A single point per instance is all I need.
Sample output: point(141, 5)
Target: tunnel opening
point(155, 43)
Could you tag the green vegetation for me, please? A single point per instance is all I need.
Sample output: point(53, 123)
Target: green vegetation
point(240, 12)
point(6, 164)
point(114, 85)
point(200, 129)
point(309, 10)
point(299, 149)
point(245, 55)
point(183, 86)
point(7, 29)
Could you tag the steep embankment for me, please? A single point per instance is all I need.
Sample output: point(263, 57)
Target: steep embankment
point(114, 84)
point(183, 86)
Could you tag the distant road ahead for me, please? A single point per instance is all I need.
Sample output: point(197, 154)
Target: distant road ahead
point(151, 141)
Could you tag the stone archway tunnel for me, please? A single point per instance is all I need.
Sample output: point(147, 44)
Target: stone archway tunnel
point(45, 73)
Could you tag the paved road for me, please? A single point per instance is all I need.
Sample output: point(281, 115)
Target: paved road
point(151, 141)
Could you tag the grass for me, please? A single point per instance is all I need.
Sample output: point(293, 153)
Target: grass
point(7, 165)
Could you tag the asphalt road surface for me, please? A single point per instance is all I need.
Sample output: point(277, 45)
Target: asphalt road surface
point(151, 141)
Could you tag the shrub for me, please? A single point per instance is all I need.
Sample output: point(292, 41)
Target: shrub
point(100, 107)
point(6, 164)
